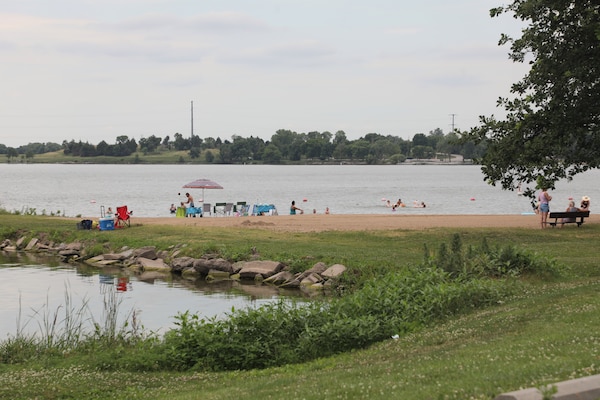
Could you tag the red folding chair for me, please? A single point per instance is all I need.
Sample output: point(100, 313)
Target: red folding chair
point(123, 217)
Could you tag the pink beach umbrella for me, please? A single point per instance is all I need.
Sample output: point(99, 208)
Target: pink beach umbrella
point(202, 184)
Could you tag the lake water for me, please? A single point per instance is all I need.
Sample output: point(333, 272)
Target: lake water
point(32, 289)
point(149, 190)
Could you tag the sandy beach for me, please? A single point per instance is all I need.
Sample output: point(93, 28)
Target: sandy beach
point(353, 222)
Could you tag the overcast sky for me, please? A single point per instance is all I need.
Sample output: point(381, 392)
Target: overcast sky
point(93, 70)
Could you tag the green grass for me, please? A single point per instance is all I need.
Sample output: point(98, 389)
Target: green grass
point(163, 157)
point(546, 332)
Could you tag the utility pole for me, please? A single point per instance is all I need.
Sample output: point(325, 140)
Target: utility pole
point(192, 119)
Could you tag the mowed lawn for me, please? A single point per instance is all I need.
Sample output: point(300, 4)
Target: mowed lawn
point(547, 332)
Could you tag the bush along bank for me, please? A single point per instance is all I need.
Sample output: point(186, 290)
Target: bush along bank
point(448, 282)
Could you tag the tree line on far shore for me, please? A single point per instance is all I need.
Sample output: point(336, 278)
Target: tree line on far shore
point(284, 146)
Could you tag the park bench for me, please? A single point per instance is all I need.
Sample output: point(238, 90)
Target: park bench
point(568, 217)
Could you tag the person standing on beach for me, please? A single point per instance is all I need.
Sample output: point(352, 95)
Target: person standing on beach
point(293, 208)
point(190, 200)
point(544, 206)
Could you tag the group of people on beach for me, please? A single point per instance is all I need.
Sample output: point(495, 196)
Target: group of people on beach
point(542, 207)
point(188, 204)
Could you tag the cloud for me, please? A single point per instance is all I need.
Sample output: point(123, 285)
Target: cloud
point(159, 38)
point(403, 31)
point(213, 23)
point(295, 54)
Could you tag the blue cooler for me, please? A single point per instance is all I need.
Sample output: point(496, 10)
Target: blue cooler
point(106, 224)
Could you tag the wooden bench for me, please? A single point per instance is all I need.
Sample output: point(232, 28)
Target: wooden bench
point(573, 217)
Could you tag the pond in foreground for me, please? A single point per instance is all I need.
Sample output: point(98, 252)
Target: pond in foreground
point(33, 291)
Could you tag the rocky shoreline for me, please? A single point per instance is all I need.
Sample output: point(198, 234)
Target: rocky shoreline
point(148, 263)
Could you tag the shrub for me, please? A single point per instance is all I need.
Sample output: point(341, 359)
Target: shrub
point(491, 262)
point(285, 333)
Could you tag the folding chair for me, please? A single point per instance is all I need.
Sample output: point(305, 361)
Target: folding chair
point(228, 209)
point(206, 209)
point(123, 217)
point(239, 207)
point(244, 210)
point(219, 209)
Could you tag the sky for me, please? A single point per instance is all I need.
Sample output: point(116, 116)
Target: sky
point(93, 70)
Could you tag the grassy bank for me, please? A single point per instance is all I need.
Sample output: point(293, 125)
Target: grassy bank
point(544, 332)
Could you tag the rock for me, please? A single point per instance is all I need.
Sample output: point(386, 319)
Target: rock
point(204, 265)
point(148, 252)
point(311, 280)
point(280, 278)
point(293, 284)
point(182, 263)
point(265, 269)
point(153, 265)
point(75, 246)
point(68, 253)
point(334, 271)
point(126, 253)
point(214, 275)
point(20, 242)
point(113, 256)
point(101, 262)
point(189, 273)
point(318, 268)
point(31, 244)
point(151, 276)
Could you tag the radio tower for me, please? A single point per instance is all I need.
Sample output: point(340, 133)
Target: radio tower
point(452, 115)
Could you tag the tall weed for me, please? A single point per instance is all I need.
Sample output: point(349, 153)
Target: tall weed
point(507, 261)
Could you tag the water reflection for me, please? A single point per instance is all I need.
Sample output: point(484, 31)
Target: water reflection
point(32, 281)
point(120, 283)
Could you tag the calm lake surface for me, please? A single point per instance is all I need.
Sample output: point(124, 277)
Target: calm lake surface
point(27, 286)
point(149, 190)
point(33, 289)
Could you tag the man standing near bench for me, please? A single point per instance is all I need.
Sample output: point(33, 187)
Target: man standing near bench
point(544, 205)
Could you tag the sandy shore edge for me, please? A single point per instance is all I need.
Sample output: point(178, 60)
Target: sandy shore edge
point(354, 222)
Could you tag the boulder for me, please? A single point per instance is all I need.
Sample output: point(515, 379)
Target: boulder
point(214, 275)
point(151, 276)
point(153, 265)
point(204, 265)
point(311, 280)
point(148, 252)
point(189, 273)
point(20, 242)
point(280, 278)
point(31, 244)
point(334, 271)
point(101, 262)
point(68, 253)
point(292, 284)
point(75, 246)
point(181, 264)
point(318, 268)
point(265, 269)
point(114, 256)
